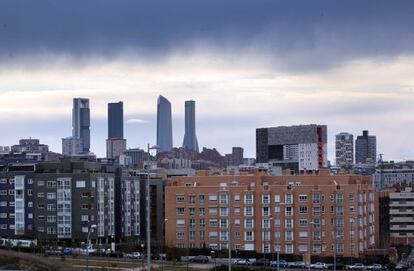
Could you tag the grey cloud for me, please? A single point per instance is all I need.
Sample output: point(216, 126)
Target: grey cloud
point(291, 34)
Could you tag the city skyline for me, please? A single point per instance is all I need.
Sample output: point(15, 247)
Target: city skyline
point(256, 65)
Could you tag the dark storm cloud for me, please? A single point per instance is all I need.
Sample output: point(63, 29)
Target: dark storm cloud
point(296, 34)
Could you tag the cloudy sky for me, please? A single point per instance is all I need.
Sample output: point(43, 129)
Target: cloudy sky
point(248, 64)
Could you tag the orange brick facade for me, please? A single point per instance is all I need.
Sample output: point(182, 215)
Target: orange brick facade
point(269, 213)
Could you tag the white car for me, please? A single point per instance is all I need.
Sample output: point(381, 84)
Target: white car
point(375, 266)
point(242, 262)
point(319, 265)
point(357, 266)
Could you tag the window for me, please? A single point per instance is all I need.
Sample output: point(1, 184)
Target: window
point(288, 199)
point(248, 223)
point(316, 210)
point(51, 184)
point(303, 234)
point(236, 197)
point(192, 199)
point(85, 194)
point(179, 198)
point(303, 222)
point(236, 210)
point(3, 181)
point(40, 206)
point(202, 222)
point(265, 199)
point(180, 235)
point(11, 203)
point(29, 192)
point(248, 236)
point(288, 211)
point(40, 195)
point(191, 211)
point(266, 224)
point(192, 222)
point(85, 206)
point(289, 223)
point(30, 204)
point(80, 184)
point(202, 235)
point(212, 197)
point(289, 248)
point(84, 218)
point(248, 211)
point(3, 215)
point(303, 209)
point(277, 209)
point(265, 211)
point(212, 235)
point(248, 199)
point(202, 211)
point(180, 223)
point(212, 211)
point(30, 181)
point(51, 230)
point(51, 219)
point(191, 235)
point(339, 197)
point(237, 234)
point(51, 207)
point(213, 222)
point(40, 183)
point(223, 235)
point(41, 217)
point(303, 197)
point(3, 192)
point(316, 198)
point(224, 211)
point(201, 198)
point(289, 236)
point(277, 198)
point(351, 197)
point(224, 199)
point(266, 236)
point(51, 195)
point(236, 222)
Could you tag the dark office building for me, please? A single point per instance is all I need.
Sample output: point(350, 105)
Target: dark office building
point(81, 123)
point(365, 148)
point(115, 120)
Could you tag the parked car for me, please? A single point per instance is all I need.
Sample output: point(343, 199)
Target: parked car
point(67, 251)
point(116, 254)
point(401, 266)
point(357, 266)
point(262, 262)
point(319, 265)
point(199, 259)
point(133, 255)
point(280, 263)
point(53, 252)
point(339, 266)
point(296, 265)
point(376, 267)
point(242, 262)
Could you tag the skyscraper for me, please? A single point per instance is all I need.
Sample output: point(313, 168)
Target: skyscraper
point(344, 149)
point(301, 147)
point(190, 138)
point(115, 144)
point(164, 125)
point(81, 122)
point(365, 148)
point(116, 120)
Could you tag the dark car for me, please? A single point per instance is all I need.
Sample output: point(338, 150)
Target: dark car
point(262, 262)
point(280, 263)
point(199, 259)
point(339, 266)
point(116, 254)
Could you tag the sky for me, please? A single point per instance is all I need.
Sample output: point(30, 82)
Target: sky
point(247, 64)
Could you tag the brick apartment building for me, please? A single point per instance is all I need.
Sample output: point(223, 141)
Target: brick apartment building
point(401, 210)
point(266, 214)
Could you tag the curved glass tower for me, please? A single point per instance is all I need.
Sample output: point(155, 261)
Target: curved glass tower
point(190, 138)
point(164, 125)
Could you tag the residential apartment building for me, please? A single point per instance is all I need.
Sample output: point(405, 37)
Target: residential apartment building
point(389, 174)
point(70, 197)
point(292, 214)
point(299, 148)
point(344, 149)
point(17, 201)
point(401, 213)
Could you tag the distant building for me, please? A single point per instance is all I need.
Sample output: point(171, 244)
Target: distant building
point(4, 149)
point(401, 217)
point(237, 156)
point(30, 145)
point(136, 156)
point(115, 147)
point(390, 174)
point(190, 137)
point(344, 149)
point(164, 125)
point(116, 120)
point(302, 147)
point(365, 148)
point(71, 146)
point(81, 123)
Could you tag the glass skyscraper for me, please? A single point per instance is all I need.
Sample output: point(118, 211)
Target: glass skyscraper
point(81, 123)
point(116, 120)
point(164, 125)
point(190, 138)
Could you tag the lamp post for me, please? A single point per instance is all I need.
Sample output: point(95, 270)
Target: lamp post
point(161, 247)
point(213, 255)
point(311, 223)
point(149, 208)
point(91, 227)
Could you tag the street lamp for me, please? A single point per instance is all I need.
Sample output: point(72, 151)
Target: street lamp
point(155, 147)
point(161, 247)
point(213, 255)
point(91, 227)
point(311, 223)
